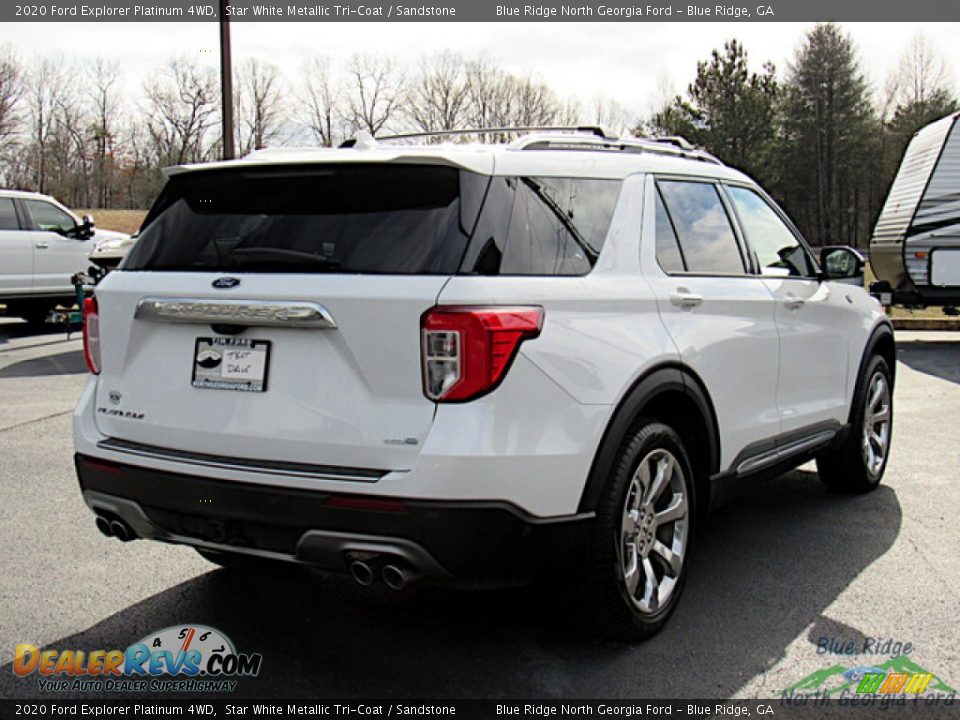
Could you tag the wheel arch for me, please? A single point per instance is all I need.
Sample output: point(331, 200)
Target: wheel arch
point(881, 342)
point(673, 394)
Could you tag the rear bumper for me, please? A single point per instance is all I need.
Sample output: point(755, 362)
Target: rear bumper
point(441, 539)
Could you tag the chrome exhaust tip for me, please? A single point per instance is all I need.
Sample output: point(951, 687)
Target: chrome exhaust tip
point(362, 573)
point(103, 525)
point(397, 578)
point(121, 531)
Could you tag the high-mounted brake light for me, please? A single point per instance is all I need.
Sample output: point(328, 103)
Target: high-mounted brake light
point(468, 350)
point(91, 335)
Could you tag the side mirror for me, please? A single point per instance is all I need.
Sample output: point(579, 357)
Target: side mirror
point(85, 229)
point(842, 264)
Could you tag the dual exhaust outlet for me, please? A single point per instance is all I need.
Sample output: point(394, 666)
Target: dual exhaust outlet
point(115, 528)
point(396, 574)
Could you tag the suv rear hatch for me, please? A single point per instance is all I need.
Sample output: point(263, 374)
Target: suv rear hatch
point(273, 314)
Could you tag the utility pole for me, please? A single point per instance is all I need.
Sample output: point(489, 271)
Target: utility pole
point(226, 83)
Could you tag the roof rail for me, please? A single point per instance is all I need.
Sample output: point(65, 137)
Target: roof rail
point(594, 130)
point(558, 137)
point(675, 146)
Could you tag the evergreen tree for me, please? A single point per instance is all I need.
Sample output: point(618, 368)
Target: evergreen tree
point(728, 110)
point(829, 149)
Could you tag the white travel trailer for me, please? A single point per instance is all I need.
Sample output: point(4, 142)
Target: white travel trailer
point(915, 249)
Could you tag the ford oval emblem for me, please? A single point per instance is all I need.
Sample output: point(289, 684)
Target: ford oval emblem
point(225, 283)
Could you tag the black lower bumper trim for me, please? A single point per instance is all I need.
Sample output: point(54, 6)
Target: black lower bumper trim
point(468, 539)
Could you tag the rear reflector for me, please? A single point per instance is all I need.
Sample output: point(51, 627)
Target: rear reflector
point(102, 466)
point(468, 350)
point(91, 335)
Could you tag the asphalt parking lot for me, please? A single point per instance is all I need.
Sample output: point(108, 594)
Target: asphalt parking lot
point(777, 568)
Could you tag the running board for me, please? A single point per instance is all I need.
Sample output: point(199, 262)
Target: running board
point(785, 452)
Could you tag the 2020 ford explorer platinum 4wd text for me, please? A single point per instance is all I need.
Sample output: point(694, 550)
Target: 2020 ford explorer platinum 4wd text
point(470, 362)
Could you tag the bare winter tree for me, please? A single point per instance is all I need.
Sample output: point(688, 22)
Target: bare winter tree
point(611, 115)
point(260, 108)
point(182, 107)
point(322, 98)
point(71, 149)
point(532, 103)
point(11, 88)
point(376, 93)
point(921, 73)
point(103, 77)
point(45, 90)
point(499, 99)
point(438, 98)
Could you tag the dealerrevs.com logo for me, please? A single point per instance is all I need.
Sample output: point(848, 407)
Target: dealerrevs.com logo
point(188, 658)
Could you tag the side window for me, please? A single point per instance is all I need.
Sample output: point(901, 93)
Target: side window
point(703, 228)
point(48, 217)
point(668, 249)
point(542, 226)
point(8, 215)
point(777, 249)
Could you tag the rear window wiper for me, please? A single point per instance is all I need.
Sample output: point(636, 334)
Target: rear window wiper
point(253, 255)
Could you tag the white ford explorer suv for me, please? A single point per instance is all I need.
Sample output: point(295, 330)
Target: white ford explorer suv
point(464, 362)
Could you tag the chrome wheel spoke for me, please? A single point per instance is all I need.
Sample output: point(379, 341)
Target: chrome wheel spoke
point(651, 589)
point(876, 423)
point(632, 572)
point(638, 489)
point(676, 510)
point(668, 556)
point(876, 392)
point(663, 476)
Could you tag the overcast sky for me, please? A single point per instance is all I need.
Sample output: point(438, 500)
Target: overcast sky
point(631, 62)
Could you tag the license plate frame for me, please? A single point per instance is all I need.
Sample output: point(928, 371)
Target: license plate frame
point(231, 363)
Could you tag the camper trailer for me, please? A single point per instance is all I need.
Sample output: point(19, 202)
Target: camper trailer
point(915, 249)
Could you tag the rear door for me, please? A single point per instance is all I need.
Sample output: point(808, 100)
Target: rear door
point(58, 255)
point(16, 251)
point(274, 314)
point(720, 317)
point(813, 316)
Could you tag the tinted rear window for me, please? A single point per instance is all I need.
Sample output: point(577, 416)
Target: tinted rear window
point(399, 219)
point(542, 226)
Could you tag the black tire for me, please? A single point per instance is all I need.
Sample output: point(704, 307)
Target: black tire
point(606, 604)
point(848, 467)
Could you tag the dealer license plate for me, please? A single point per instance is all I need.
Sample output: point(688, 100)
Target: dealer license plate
point(229, 363)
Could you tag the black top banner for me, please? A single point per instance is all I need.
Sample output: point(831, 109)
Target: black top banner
point(478, 11)
point(779, 709)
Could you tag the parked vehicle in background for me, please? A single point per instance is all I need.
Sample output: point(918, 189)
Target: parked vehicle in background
point(42, 246)
point(915, 249)
point(108, 252)
point(473, 362)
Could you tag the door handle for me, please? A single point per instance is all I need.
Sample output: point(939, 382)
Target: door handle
point(792, 302)
point(42, 245)
point(685, 299)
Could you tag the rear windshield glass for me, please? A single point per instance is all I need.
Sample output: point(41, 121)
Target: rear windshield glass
point(396, 219)
point(399, 219)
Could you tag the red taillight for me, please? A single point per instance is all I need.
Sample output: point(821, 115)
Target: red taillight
point(91, 335)
point(467, 350)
